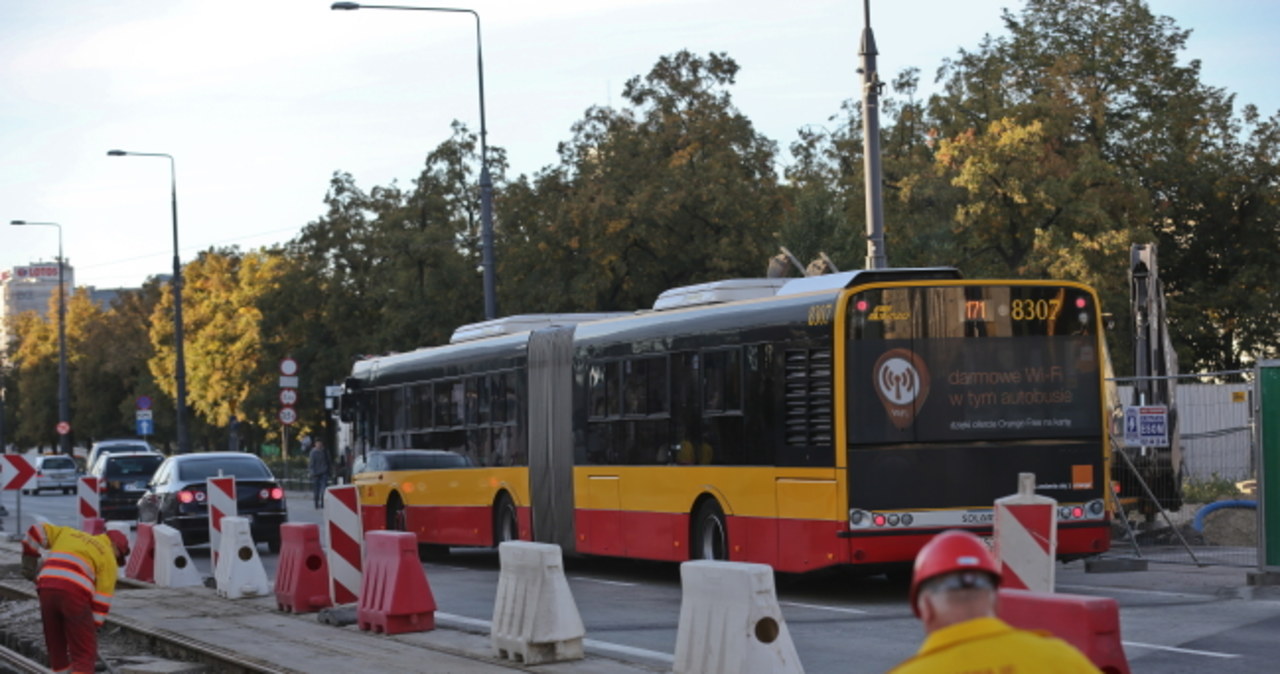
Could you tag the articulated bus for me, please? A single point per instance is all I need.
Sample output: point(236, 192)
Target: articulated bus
point(803, 423)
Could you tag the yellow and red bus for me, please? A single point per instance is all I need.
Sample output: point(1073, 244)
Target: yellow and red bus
point(803, 423)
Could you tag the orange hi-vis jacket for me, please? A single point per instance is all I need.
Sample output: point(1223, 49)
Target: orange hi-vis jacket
point(76, 562)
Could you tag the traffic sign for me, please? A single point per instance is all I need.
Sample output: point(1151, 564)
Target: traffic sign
point(288, 367)
point(15, 471)
point(288, 381)
point(1146, 426)
point(288, 416)
point(288, 396)
point(63, 428)
point(144, 402)
point(143, 414)
point(145, 426)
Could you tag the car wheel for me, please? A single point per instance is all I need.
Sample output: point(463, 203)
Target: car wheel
point(710, 535)
point(505, 524)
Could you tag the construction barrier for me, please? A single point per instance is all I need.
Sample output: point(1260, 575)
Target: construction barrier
point(302, 576)
point(535, 619)
point(88, 504)
point(142, 555)
point(346, 542)
point(220, 493)
point(730, 622)
point(394, 594)
point(1091, 624)
point(127, 530)
point(1026, 537)
point(173, 566)
point(238, 571)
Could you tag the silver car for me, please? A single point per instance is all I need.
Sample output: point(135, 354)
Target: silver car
point(54, 472)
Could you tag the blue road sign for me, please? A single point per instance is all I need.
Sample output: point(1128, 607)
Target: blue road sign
point(146, 426)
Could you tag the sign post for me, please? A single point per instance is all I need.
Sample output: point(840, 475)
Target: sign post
point(288, 397)
point(1267, 382)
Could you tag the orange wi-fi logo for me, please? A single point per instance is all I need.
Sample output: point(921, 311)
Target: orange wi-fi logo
point(902, 382)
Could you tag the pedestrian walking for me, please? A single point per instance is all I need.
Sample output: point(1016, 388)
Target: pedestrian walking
point(320, 468)
point(953, 592)
point(75, 585)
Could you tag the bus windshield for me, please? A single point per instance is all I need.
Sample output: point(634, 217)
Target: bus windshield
point(962, 363)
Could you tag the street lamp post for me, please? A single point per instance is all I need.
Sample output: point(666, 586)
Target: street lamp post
point(486, 183)
point(64, 395)
point(180, 363)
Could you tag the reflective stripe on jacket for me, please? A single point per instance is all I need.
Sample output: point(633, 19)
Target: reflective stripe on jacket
point(77, 562)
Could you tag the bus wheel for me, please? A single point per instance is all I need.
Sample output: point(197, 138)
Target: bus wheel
point(505, 527)
point(395, 513)
point(710, 536)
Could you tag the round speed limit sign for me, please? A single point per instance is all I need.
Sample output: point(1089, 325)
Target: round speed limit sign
point(288, 396)
point(288, 415)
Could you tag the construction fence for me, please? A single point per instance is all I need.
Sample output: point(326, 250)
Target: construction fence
point(1194, 501)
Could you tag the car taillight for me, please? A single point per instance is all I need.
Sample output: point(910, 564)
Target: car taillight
point(185, 497)
point(277, 493)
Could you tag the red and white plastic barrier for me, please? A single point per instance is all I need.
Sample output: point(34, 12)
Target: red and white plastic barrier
point(220, 494)
point(89, 505)
point(1091, 624)
point(302, 576)
point(394, 595)
point(141, 564)
point(346, 542)
point(124, 528)
point(1026, 537)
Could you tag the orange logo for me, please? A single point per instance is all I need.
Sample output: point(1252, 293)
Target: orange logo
point(902, 382)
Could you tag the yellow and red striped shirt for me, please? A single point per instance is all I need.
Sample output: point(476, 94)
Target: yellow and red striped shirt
point(75, 561)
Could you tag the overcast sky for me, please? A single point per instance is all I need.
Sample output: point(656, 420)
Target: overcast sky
point(260, 102)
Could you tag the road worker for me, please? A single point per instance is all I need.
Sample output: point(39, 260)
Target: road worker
point(75, 584)
point(953, 592)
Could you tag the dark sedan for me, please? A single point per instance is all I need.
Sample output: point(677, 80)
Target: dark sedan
point(176, 495)
point(122, 479)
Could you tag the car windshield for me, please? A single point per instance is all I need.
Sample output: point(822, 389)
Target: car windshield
point(419, 461)
point(248, 467)
point(124, 447)
point(133, 466)
point(58, 463)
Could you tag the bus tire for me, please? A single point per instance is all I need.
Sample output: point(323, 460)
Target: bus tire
point(395, 513)
point(505, 525)
point(710, 535)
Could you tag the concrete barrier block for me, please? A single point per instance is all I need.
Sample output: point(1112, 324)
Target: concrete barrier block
point(238, 571)
point(173, 566)
point(730, 622)
point(535, 619)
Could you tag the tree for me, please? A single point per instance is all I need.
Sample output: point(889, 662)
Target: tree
point(676, 189)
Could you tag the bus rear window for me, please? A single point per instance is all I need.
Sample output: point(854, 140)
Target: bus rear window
point(976, 362)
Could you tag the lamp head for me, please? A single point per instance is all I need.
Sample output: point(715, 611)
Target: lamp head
point(116, 153)
point(17, 222)
point(345, 5)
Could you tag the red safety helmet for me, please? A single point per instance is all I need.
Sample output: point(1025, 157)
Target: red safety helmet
point(121, 544)
point(948, 552)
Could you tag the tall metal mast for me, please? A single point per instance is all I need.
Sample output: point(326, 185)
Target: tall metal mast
point(871, 85)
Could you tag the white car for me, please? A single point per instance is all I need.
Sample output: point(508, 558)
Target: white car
point(53, 472)
point(112, 446)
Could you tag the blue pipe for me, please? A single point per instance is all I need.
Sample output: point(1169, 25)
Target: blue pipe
point(1198, 523)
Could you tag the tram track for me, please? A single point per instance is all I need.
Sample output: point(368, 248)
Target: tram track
point(146, 642)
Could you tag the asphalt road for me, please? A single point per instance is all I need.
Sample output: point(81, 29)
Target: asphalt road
point(1174, 618)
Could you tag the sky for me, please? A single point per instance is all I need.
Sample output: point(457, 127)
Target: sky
point(259, 103)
